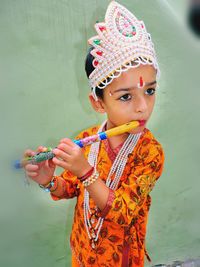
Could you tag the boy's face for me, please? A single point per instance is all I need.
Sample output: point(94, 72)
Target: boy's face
point(129, 97)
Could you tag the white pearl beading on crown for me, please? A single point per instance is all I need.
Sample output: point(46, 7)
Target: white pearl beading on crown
point(121, 39)
point(117, 168)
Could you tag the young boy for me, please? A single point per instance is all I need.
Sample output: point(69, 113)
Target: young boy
point(111, 179)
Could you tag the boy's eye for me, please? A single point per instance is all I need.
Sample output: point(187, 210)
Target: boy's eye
point(150, 91)
point(125, 97)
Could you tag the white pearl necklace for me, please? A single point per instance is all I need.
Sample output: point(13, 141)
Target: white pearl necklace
point(117, 168)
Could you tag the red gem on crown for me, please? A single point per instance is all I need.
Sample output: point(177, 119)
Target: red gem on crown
point(102, 28)
point(95, 63)
point(100, 53)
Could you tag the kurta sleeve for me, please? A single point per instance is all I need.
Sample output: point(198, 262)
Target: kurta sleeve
point(145, 170)
point(69, 184)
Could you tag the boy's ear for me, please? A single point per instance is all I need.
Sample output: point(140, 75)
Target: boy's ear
point(97, 105)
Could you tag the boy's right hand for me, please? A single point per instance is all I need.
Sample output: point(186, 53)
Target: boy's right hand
point(42, 172)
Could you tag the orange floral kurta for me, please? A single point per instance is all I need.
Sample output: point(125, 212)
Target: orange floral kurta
point(122, 237)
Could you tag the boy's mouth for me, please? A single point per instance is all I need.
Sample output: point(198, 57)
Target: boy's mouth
point(142, 122)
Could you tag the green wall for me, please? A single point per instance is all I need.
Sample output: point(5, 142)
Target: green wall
point(43, 97)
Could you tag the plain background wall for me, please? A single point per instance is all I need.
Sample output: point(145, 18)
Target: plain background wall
point(43, 98)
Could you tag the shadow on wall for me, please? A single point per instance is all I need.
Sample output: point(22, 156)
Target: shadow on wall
point(193, 17)
point(187, 263)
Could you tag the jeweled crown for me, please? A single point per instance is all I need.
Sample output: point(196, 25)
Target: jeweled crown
point(122, 39)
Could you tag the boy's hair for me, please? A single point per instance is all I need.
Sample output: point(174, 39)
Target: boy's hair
point(89, 69)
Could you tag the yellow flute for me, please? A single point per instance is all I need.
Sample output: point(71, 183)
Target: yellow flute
point(42, 156)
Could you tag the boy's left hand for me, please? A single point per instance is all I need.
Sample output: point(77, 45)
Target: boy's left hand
point(70, 156)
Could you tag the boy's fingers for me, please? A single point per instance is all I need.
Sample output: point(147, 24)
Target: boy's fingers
point(49, 163)
point(63, 147)
point(41, 149)
point(29, 153)
point(32, 174)
point(30, 167)
point(67, 141)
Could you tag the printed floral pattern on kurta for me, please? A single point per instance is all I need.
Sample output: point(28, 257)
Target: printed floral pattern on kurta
point(124, 228)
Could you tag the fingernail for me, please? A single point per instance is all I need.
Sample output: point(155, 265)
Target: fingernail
point(54, 151)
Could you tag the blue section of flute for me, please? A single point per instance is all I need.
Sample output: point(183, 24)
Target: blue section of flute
point(78, 142)
point(17, 164)
point(102, 136)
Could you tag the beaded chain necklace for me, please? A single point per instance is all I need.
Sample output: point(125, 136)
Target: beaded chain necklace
point(118, 167)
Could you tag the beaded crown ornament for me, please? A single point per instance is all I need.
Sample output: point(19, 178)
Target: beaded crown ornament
point(122, 43)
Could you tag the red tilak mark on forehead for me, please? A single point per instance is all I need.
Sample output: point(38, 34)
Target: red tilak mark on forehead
point(141, 82)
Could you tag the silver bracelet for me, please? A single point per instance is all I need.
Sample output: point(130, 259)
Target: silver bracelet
point(48, 186)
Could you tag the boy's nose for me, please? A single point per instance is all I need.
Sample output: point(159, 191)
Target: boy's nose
point(140, 105)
